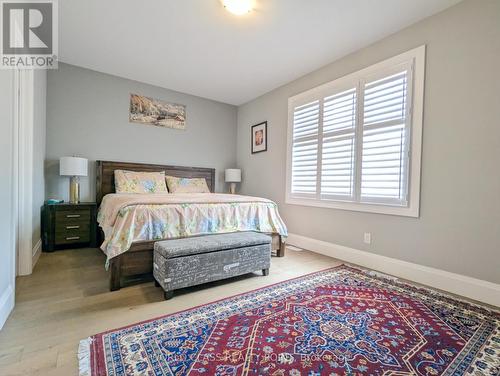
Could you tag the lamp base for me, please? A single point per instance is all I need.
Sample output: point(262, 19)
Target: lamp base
point(232, 188)
point(74, 190)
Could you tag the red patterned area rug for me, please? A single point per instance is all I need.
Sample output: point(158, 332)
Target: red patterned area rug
point(341, 321)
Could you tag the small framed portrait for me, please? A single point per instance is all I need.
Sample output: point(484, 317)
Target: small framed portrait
point(259, 137)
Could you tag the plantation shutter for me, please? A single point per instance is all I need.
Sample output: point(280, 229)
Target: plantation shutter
point(338, 145)
point(384, 165)
point(349, 140)
point(305, 142)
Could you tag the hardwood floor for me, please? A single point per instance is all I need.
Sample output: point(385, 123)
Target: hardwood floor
point(66, 299)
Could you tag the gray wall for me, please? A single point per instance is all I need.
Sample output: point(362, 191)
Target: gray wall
point(39, 106)
point(7, 249)
point(459, 225)
point(87, 116)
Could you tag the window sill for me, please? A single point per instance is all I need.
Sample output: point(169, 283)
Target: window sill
point(407, 211)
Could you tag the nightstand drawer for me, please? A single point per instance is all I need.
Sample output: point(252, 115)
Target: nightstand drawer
point(73, 234)
point(67, 217)
point(63, 228)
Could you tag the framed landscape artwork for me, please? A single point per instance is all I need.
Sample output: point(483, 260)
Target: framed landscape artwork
point(145, 110)
point(259, 137)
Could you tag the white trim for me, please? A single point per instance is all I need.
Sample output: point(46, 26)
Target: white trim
point(25, 171)
point(354, 206)
point(416, 59)
point(477, 289)
point(6, 304)
point(37, 251)
point(15, 171)
point(7, 300)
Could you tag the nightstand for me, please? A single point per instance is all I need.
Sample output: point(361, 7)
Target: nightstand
point(68, 226)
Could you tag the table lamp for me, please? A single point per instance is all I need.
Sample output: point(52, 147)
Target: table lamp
point(233, 176)
point(74, 167)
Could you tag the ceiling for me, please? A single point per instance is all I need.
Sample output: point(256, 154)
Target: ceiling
point(196, 47)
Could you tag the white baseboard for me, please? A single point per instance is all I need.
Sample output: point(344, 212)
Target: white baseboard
point(37, 251)
point(469, 287)
point(6, 304)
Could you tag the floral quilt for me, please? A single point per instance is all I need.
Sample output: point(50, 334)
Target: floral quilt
point(129, 218)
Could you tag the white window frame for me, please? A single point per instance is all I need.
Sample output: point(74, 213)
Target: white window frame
point(416, 59)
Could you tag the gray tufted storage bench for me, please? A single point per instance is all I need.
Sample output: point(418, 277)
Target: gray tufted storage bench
point(185, 262)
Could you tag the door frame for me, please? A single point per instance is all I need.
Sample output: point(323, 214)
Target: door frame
point(7, 296)
point(23, 130)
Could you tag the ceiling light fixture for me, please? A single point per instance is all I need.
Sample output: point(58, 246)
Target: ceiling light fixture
point(238, 7)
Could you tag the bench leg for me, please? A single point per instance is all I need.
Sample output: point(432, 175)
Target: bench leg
point(265, 271)
point(156, 283)
point(168, 295)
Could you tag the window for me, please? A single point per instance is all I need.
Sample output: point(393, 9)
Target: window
point(355, 143)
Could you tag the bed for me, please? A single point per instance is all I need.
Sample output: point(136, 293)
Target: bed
point(135, 259)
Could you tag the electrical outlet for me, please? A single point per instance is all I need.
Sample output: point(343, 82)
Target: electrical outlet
point(368, 238)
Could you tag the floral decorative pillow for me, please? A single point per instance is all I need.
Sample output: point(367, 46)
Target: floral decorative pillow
point(187, 185)
point(140, 182)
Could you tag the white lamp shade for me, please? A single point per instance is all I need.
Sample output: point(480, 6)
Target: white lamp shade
point(73, 166)
point(233, 175)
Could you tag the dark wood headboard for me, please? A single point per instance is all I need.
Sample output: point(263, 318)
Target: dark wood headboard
point(105, 174)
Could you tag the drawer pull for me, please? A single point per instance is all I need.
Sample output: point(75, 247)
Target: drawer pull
point(72, 227)
point(72, 238)
point(73, 216)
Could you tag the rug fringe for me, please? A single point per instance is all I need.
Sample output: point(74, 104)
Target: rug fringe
point(84, 356)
